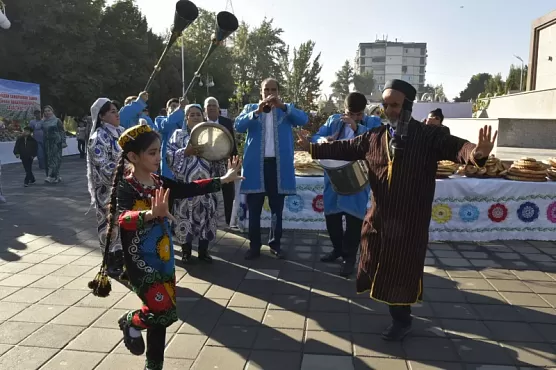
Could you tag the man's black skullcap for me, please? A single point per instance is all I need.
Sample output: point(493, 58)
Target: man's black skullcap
point(404, 87)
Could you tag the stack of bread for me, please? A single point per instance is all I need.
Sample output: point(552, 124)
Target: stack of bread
point(551, 171)
point(493, 168)
point(446, 169)
point(305, 166)
point(527, 169)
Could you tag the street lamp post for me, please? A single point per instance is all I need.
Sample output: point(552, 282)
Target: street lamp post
point(521, 74)
point(209, 82)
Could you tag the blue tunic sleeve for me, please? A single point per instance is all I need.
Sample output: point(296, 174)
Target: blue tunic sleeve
point(174, 121)
point(129, 115)
point(296, 117)
point(246, 119)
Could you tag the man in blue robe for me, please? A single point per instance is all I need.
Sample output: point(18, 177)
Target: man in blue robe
point(268, 162)
point(166, 125)
point(133, 110)
point(353, 207)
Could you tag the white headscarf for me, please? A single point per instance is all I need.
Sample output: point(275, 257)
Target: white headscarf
point(95, 110)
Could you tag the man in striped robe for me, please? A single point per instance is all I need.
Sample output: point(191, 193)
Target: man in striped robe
point(402, 158)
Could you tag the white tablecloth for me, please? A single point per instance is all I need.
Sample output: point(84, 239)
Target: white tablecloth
point(7, 150)
point(464, 209)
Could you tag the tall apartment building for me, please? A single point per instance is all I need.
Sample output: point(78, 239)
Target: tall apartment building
point(388, 60)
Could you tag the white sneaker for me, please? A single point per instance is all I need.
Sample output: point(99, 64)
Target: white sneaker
point(57, 180)
point(49, 180)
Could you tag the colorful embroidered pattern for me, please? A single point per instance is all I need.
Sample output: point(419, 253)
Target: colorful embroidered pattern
point(469, 213)
point(318, 203)
point(497, 212)
point(163, 248)
point(528, 212)
point(551, 213)
point(441, 213)
point(294, 203)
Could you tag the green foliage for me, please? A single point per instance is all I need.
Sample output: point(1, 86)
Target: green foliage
point(301, 82)
point(364, 83)
point(475, 86)
point(344, 78)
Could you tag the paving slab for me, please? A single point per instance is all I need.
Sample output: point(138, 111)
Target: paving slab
point(487, 305)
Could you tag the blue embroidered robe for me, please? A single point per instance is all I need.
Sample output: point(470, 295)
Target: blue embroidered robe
point(166, 127)
point(130, 114)
point(356, 204)
point(253, 153)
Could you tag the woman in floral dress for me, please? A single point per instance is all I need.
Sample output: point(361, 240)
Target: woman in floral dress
point(196, 217)
point(54, 143)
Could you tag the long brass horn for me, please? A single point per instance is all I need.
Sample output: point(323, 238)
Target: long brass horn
point(186, 13)
point(226, 24)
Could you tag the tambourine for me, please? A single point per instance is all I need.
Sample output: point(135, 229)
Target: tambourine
point(215, 141)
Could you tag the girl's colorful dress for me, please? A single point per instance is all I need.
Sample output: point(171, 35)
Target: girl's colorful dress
point(149, 257)
point(196, 216)
point(102, 160)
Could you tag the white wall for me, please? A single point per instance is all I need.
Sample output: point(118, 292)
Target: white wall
point(527, 105)
point(450, 110)
point(468, 128)
point(7, 150)
point(546, 69)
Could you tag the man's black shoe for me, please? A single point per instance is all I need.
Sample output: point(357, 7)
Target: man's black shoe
point(135, 345)
point(396, 332)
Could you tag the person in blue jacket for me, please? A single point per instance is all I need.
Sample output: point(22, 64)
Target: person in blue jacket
point(133, 110)
point(166, 125)
point(353, 207)
point(268, 162)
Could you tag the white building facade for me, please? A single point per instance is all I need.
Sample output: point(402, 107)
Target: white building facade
point(389, 60)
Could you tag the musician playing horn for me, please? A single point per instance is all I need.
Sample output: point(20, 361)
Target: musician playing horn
point(133, 109)
point(268, 162)
point(352, 123)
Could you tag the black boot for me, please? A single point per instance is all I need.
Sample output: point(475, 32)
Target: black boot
point(203, 251)
point(396, 332)
point(135, 345)
point(115, 264)
point(331, 257)
point(348, 268)
point(186, 256)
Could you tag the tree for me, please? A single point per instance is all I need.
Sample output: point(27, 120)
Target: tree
point(52, 43)
point(475, 86)
point(301, 76)
point(513, 80)
point(364, 83)
point(256, 55)
point(344, 78)
point(495, 85)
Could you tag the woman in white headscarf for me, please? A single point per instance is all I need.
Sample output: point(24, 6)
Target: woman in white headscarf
point(103, 154)
point(196, 217)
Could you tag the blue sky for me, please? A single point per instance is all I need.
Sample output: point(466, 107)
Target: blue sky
point(482, 36)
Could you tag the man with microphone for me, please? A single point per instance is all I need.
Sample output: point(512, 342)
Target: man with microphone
point(268, 162)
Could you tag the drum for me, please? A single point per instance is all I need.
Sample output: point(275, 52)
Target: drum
point(216, 141)
point(346, 178)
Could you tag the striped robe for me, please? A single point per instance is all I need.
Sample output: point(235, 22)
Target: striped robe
point(395, 231)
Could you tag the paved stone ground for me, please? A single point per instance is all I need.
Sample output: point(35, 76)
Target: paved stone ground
point(488, 306)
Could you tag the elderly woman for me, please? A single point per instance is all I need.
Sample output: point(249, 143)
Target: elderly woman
point(54, 142)
point(196, 217)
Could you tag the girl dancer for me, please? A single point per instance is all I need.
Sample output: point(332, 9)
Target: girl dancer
point(141, 199)
point(195, 217)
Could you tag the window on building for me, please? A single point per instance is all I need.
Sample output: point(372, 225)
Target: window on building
point(421, 69)
point(404, 69)
point(422, 61)
point(421, 79)
point(362, 52)
point(406, 51)
point(423, 51)
point(379, 59)
point(362, 69)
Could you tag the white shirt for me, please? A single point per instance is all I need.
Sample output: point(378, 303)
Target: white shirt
point(269, 151)
point(348, 133)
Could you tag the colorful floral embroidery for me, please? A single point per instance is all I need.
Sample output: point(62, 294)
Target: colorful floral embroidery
point(158, 299)
point(528, 212)
point(163, 248)
point(551, 212)
point(469, 213)
point(441, 213)
point(141, 205)
point(497, 212)
point(242, 211)
point(266, 205)
point(318, 203)
point(295, 203)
